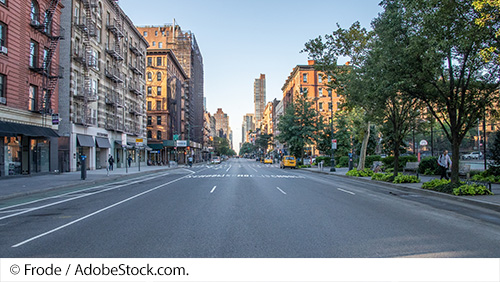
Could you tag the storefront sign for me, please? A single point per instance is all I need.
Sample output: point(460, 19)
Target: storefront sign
point(181, 143)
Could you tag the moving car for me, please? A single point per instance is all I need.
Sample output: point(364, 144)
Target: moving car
point(288, 161)
point(472, 156)
point(216, 160)
point(268, 161)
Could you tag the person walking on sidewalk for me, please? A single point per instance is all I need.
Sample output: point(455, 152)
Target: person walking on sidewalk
point(129, 160)
point(110, 161)
point(444, 163)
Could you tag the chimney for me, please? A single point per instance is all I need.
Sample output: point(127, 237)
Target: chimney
point(310, 62)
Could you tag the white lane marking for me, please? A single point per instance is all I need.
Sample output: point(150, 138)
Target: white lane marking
point(76, 197)
point(253, 168)
point(228, 168)
point(281, 190)
point(96, 212)
point(349, 192)
point(189, 170)
point(213, 189)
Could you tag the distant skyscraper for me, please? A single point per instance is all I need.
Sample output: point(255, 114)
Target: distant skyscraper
point(248, 125)
point(259, 90)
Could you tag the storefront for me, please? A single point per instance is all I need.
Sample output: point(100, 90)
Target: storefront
point(85, 146)
point(26, 149)
point(102, 151)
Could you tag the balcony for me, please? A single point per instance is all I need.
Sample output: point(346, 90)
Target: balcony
point(51, 71)
point(114, 74)
point(115, 28)
point(110, 123)
point(114, 51)
point(134, 49)
point(135, 89)
point(89, 28)
point(51, 29)
point(135, 69)
point(84, 120)
point(86, 93)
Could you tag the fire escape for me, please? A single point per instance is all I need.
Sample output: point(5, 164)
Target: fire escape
point(113, 72)
point(50, 71)
point(85, 91)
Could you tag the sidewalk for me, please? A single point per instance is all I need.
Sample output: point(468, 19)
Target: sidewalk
point(491, 201)
point(16, 186)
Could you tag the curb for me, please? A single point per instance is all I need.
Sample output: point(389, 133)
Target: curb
point(489, 205)
point(83, 184)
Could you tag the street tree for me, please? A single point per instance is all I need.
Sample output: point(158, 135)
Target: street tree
point(247, 148)
point(439, 62)
point(300, 125)
point(489, 18)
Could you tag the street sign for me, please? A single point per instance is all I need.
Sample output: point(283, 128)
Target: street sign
point(55, 119)
point(176, 137)
point(139, 142)
point(334, 144)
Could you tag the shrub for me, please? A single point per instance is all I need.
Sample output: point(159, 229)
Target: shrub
point(486, 176)
point(434, 183)
point(471, 190)
point(428, 166)
point(360, 173)
point(443, 186)
point(327, 160)
point(404, 178)
point(370, 159)
point(389, 161)
point(304, 166)
point(383, 176)
point(342, 161)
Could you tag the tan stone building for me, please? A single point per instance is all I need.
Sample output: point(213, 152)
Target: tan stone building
point(102, 102)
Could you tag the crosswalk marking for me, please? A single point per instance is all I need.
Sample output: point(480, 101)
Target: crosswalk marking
point(246, 176)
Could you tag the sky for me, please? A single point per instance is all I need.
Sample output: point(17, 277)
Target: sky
point(241, 39)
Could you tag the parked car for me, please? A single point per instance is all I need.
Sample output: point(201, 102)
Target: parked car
point(473, 156)
point(288, 161)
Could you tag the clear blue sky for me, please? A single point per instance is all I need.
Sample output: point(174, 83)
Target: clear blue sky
point(240, 39)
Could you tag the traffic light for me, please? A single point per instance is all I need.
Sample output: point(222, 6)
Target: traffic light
point(188, 148)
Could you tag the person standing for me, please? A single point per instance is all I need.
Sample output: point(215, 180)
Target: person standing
point(129, 160)
point(444, 163)
point(110, 161)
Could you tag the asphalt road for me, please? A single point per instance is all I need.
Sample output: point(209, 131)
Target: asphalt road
point(242, 208)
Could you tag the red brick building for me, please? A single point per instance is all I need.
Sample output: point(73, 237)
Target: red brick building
point(29, 73)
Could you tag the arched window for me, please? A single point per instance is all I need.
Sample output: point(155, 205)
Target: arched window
point(158, 76)
point(150, 134)
point(35, 11)
point(150, 76)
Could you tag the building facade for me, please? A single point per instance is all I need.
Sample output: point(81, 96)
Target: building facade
point(102, 103)
point(186, 49)
point(166, 106)
point(247, 127)
point(259, 94)
point(222, 124)
point(30, 34)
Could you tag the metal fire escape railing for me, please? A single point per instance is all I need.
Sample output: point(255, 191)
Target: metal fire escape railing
point(50, 71)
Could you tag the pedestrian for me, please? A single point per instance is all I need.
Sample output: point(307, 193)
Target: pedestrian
point(110, 161)
point(190, 161)
point(129, 160)
point(444, 163)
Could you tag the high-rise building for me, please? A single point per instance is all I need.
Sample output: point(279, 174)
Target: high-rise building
point(221, 124)
point(30, 34)
point(102, 101)
point(185, 47)
point(259, 90)
point(247, 127)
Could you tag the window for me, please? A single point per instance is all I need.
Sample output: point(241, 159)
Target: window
point(3, 2)
point(3, 83)
point(158, 76)
point(154, 43)
point(158, 90)
point(158, 135)
point(149, 120)
point(150, 134)
point(76, 14)
point(160, 45)
point(320, 106)
point(150, 61)
point(304, 77)
point(320, 78)
point(33, 54)
point(45, 59)
point(32, 98)
point(158, 120)
point(158, 61)
point(329, 106)
point(98, 35)
point(145, 33)
point(35, 11)
point(329, 78)
point(150, 76)
point(150, 90)
point(156, 33)
point(320, 90)
point(149, 106)
point(3, 34)
point(158, 105)
point(108, 18)
point(329, 92)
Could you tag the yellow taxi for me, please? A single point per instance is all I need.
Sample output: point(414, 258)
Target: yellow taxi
point(288, 161)
point(268, 161)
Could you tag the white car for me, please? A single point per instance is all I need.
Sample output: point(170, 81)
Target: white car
point(472, 156)
point(216, 160)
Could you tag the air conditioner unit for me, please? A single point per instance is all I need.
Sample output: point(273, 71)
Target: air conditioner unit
point(3, 49)
point(3, 100)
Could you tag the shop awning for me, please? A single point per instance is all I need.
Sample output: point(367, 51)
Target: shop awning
point(129, 145)
point(102, 142)
point(85, 140)
point(14, 129)
point(156, 146)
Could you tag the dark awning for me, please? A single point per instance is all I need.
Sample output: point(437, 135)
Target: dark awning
point(85, 140)
point(129, 145)
point(14, 129)
point(102, 142)
point(156, 146)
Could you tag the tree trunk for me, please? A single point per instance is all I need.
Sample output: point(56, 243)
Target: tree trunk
point(396, 157)
point(364, 146)
point(455, 159)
